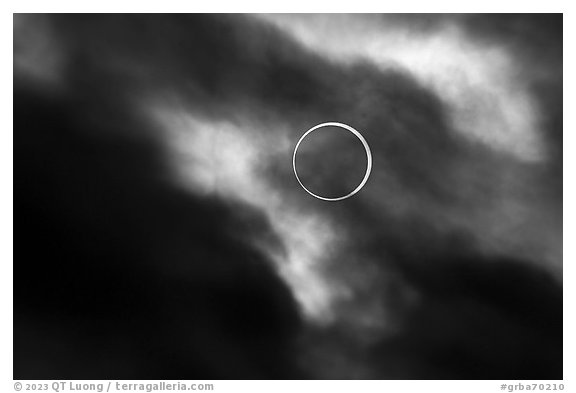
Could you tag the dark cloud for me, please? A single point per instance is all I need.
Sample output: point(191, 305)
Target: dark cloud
point(120, 275)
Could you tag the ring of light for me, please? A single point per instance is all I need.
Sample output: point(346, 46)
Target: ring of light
point(368, 156)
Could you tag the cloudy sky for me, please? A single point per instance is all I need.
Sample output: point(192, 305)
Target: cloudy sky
point(162, 232)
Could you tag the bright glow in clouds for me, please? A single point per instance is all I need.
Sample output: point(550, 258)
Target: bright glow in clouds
point(37, 55)
point(222, 158)
point(488, 101)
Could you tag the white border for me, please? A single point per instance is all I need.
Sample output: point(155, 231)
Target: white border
point(421, 6)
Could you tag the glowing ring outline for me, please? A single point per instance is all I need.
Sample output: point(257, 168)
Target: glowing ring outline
point(368, 157)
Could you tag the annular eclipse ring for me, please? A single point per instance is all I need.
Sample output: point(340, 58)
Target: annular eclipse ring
point(368, 158)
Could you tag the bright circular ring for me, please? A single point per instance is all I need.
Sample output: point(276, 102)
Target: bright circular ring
point(368, 156)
